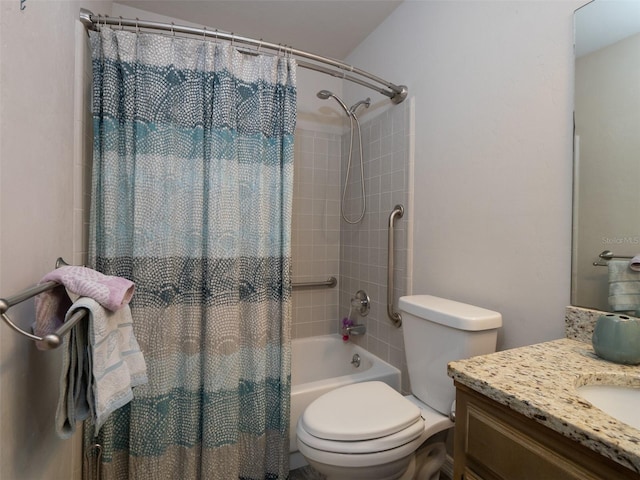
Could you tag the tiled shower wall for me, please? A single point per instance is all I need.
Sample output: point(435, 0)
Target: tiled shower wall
point(323, 245)
point(315, 235)
point(363, 257)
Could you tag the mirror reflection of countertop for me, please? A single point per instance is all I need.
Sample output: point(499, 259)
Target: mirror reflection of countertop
point(540, 381)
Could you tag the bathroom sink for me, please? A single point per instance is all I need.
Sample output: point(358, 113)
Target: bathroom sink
point(619, 402)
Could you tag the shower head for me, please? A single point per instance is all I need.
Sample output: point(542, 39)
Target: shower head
point(324, 94)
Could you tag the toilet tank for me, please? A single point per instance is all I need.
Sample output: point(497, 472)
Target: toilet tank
point(437, 331)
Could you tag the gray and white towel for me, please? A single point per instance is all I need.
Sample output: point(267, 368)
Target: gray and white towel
point(102, 362)
point(624, 287)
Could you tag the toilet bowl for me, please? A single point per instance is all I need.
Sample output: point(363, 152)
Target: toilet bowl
point(370, 431)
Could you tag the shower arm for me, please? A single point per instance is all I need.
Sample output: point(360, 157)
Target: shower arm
point(397, 93)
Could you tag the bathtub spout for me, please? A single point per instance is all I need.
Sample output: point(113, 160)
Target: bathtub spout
point(356, 329)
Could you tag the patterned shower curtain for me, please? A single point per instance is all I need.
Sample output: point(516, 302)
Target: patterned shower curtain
point(192, 188)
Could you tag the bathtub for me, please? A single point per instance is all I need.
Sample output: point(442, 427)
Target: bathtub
point(320, 364)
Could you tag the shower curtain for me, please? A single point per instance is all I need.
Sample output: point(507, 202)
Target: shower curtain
point(192, 188)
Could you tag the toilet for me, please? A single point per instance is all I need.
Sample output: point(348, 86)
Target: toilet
point(370, 431)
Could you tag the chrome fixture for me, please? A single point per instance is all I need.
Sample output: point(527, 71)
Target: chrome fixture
point(93, 461)
point(366, 102)
point(355, 361)
point(351, 113)
point(329, 283)
point(52, 340)
point(325, 94)
point(361, 303)
point(329, 66)
point(608, 255)
point(396, 318)
point(358, 329)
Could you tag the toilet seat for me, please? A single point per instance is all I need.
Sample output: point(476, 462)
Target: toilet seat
point(380, 410)
point(356, 460)
point(374, 419)
point(387, 442)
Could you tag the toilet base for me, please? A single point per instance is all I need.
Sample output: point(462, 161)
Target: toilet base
point(389, 471)
point(429, 459)
point(424, 464)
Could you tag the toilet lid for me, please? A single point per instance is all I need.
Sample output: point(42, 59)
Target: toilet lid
point(361, 411)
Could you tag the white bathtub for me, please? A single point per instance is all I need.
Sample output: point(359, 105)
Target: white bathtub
point(320, 364)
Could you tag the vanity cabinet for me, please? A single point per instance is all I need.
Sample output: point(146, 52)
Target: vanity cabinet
point(493, 442)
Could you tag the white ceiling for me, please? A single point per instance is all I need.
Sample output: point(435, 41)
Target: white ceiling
point(604, 22)
point(331, 28)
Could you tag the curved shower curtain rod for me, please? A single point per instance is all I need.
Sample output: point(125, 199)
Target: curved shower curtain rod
point(396, 93)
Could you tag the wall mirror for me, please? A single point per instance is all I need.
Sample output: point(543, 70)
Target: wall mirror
point(606, 203)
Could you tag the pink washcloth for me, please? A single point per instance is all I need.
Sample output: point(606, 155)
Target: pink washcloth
point(110, 292)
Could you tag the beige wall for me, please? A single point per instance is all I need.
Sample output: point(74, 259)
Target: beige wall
point(41, 202)
point(493, 88)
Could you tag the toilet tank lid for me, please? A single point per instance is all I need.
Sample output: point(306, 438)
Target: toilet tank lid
point(450, 313)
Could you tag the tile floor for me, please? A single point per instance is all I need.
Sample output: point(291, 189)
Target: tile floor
point(309, 473)
point(306, 473)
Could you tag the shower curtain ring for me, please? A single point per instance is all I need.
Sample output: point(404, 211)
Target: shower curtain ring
point(120, 22)
point(215, 35)
point(259, 45)
point(172, 32)
point(204, 33)
point(137, 26)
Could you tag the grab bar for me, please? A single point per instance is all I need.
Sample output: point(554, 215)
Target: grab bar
point(53, 340)
point(608, 255)
point(396, 318)
point(330, 283)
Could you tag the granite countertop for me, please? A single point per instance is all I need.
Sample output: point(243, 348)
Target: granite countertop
point(539, 382)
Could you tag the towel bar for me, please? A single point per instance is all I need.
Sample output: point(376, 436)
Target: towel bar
point(608, 255)
point(53, 340)
point(330, 283)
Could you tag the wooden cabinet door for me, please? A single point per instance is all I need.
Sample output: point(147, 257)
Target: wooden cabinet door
point(492, 442)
